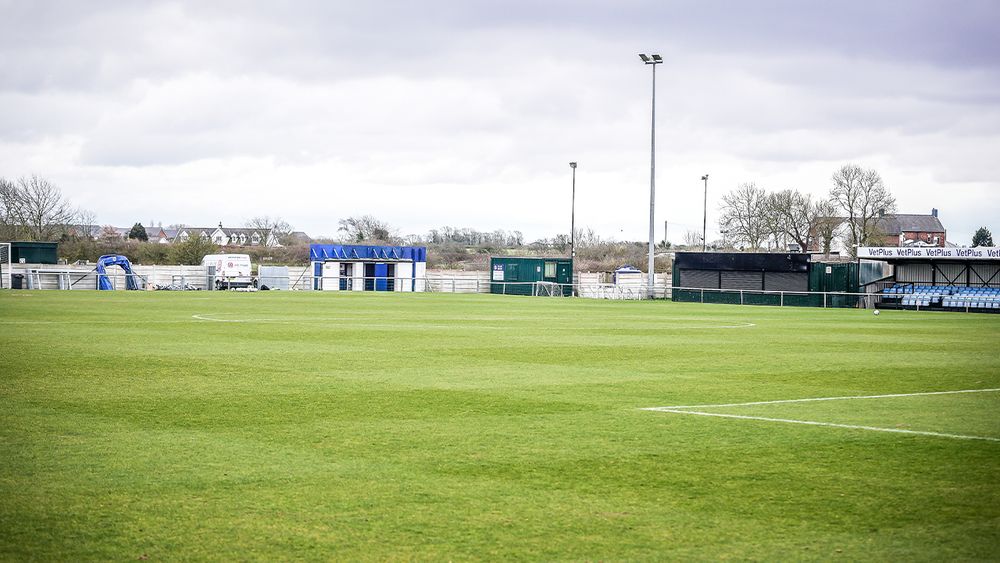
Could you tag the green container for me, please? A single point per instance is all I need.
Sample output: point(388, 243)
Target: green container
point(34, 252)
point(521, 276)
point(835, 277)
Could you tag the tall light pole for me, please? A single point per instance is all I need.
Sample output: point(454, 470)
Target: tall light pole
point(704, 217)
point(652, 60)
point(572, 226)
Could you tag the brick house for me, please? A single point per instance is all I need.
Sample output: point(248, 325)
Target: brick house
point(913, 230)
point(898, 230)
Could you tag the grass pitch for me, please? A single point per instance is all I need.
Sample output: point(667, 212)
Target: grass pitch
point(387, 426)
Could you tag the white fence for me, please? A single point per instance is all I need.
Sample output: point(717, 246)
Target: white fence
point(300, 278)
point(47, 276)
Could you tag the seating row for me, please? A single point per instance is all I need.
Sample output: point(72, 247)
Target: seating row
point(970, 301)
point(939, 290)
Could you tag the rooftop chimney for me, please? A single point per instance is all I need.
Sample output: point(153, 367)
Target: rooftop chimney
point(933, 212)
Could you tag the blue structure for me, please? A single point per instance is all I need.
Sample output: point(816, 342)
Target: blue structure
point(358, 267)
point(103, 283)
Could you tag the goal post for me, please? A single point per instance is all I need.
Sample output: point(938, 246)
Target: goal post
point(548, 289)
point(5, 265)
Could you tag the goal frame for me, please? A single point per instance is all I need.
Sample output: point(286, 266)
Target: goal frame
point(6, 264)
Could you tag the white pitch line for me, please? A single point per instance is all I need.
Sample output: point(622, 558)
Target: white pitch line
point(813, 399)
point(831, 424)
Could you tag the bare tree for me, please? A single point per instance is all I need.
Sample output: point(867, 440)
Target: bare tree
point(10, 221)
point(795, 215)
point(828, 225)
point(276, 227)
point(692, 238)
point(745, 216)
point(863, 198)
point(37, 208)
point(366, 228)
point(87, 227)
point(108, 234)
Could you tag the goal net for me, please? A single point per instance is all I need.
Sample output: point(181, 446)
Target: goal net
point(5, 265)
point(548, 289)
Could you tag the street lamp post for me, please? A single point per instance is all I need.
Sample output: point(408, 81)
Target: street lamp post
point(652, 60)
point(572, 226)
point(704, 217)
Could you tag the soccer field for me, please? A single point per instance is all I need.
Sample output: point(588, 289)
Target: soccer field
point(452, 427)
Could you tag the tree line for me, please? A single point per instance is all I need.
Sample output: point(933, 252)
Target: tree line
point(33, 208)
point(754, 218)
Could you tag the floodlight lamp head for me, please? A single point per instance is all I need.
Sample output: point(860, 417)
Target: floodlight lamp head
point(572, 165)
point(644, 58)
point(657, 58)
point(705, 177)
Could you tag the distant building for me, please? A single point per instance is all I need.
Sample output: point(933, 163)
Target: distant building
point(157, 234)
point(185, 233)
point(897, 230)
point(299, 237)
point(235, 236)
point(913, 230)
point(222, 236)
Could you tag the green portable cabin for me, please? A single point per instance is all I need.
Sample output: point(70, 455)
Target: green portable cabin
point(836, 277)
point(531, 276)
point(34, 252)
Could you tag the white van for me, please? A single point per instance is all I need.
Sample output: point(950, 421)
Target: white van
point(231, 270)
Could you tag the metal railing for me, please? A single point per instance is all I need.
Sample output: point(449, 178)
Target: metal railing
point(62, 279)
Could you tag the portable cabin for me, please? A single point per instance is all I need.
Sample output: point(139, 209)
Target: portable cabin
point(31, 252)
point(531, 276)
point(355, 267)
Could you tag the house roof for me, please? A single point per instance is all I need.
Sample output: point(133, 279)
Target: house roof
point(901, 222)
point(237, 230)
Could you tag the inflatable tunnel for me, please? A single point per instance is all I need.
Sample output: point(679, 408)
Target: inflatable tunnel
point(103, 283)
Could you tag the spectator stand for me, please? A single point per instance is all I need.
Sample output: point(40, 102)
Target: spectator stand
point(947, 279)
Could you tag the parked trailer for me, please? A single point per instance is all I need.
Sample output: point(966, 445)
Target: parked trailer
point(231, 270)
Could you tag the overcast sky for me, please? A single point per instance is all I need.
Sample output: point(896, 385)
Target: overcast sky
point(466, 113)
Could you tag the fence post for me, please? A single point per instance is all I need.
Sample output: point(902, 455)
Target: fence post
point(824, 300)
point(702, 295)
point(781, 299)
point(741, 297)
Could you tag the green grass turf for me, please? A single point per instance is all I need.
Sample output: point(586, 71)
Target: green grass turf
point(424, 426)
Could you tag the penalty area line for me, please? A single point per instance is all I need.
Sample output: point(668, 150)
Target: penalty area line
point(828, 424)
point(814, 399)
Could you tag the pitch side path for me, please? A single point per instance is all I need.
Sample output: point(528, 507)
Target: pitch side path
point(284, 425)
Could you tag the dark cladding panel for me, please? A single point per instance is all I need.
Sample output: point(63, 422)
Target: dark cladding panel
point(704, 279)
point(741, 280)
point(786, 281)
point(742, 261)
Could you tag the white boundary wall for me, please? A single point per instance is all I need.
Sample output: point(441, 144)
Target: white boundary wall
point(593, 285)
point(590, 284)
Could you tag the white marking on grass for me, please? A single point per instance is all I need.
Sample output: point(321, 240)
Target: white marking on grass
point(813, 399)
point(208, 318)
point(829, 424)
